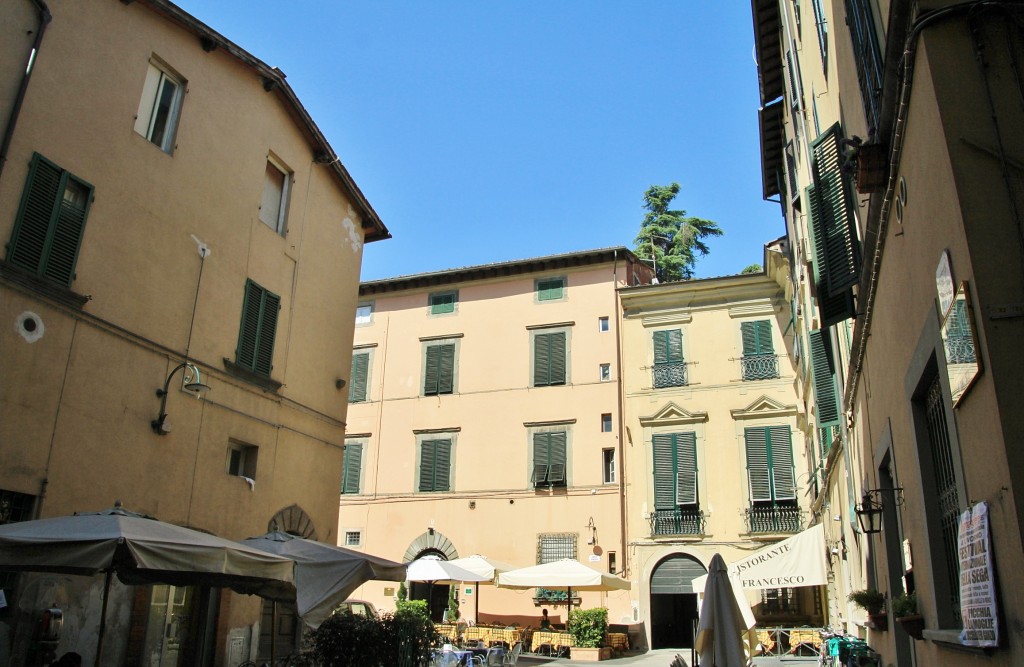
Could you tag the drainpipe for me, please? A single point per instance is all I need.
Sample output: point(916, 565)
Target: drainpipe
point(620, 454)
point(44, 19)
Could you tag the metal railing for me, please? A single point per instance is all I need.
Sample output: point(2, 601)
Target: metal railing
point(677, 521)
point(774, 519)
point(759, 366)
point(670, 375)
point(780, 641)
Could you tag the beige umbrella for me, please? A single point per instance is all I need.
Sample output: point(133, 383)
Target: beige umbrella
point(725, 636)
point(432, 570)
point(485, 566)
point(567, 573)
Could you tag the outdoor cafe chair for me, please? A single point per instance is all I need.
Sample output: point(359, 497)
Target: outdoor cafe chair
point(495, 657)
point(512, 657)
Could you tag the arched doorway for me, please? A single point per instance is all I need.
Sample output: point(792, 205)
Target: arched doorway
point(280, 626)
point(674, 602)
point(431, 543)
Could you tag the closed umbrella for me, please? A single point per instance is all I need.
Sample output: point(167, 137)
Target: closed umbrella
point(139, 550)
point(725, 636)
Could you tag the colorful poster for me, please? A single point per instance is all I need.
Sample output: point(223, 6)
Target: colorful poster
point(977, 586)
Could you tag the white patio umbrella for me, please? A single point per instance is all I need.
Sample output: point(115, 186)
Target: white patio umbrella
point(485, 566)
point(725, 636)
point(139, 550)
point(566, 573)
point(432, 570)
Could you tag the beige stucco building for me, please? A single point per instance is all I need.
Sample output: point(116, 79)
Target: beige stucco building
point(714, 459)
point(146, 203)
point(904, 219)
point(483, 419)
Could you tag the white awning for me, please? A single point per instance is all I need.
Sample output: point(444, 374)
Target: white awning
point(795, 561)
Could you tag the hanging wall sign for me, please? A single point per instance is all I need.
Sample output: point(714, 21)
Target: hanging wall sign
point(944, 284)
point(977, 588)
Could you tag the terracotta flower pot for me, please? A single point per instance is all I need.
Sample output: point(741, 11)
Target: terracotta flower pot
point(914, 625)
point(879, 621)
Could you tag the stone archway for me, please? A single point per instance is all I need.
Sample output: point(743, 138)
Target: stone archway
point(673, 601)
point(294, 521)
point(431, 543)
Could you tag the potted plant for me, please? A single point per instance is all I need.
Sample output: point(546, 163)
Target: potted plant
point(904, 608)
point(873, 603)
point(588, 628)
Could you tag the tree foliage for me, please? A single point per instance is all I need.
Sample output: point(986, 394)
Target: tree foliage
point(753, 268)
point(673, 240)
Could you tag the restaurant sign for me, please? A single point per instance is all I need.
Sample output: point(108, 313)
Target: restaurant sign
point(977, 586)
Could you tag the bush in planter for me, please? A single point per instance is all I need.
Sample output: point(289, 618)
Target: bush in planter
point(904, 605)
point(588, 627)
point(869, 600)
point(348, 640)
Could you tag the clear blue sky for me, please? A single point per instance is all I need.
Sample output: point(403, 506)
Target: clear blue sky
point(486, 130)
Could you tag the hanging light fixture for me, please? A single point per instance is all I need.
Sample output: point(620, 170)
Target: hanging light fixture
point(869, 511)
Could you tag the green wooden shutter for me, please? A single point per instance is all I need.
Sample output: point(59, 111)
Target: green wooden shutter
point(541, 449)
point(557, 352)
point(660, 347)
point(549, 359)
point(427, 465)
point(834, 306)
point(268, 329)
point(826, 398)
point(351, 468)
point(248, 335)
point(549, 289)
point(360, 371)
point(835, 212)
point(664, 471)
point(758, 467)
point(686, 469)
point(442, 465)
point(557, 457)
point(668, 346)
point(783, 476)
point(446, 369)
point(757, 337)
point(432, 370)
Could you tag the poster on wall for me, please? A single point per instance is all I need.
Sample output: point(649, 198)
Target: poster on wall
point(977, 585)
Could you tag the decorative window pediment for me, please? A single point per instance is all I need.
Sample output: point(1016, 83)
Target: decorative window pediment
point(673, 415)
point(764, 407)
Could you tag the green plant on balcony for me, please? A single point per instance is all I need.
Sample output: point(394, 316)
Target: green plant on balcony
point(588, 627)
point(869, 600)
point(904, 605)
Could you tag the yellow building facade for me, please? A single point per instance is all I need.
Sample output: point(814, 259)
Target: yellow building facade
point(171, 215)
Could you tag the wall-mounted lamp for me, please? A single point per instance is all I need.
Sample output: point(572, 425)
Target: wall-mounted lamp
point(869, 511)
point(193, 382)
point(593, 531)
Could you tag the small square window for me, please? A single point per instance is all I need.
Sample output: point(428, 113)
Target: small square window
point(364, 313)
point(602, 324)
point(241, 461)
point(550, 289)
point(157, 117)
point(606, 423)
point(353, 538)
point(274, 204)
point(443, 303)
point(608, 465)
point(606, 372)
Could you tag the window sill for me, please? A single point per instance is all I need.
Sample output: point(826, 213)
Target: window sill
point(18, 276)
point(249, 376)
point(950, 639)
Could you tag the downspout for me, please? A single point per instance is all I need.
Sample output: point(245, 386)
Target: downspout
point(44, 19)
point(620, 454)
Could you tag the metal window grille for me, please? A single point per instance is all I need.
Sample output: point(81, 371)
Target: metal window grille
point(556, 546)
point(945, 485)
point(780, 600)
point(15, 506)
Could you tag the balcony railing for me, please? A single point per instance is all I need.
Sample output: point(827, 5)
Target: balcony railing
point(759, 366)
point(774, 519)
point(670, 375)
point(677, 521)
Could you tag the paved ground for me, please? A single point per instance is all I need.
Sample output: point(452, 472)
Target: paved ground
point(663, 658)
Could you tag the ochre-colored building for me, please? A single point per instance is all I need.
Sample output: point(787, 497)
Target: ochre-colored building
point(171, 214)
point(484, 419)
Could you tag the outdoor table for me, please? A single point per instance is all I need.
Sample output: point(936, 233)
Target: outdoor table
point(619, 641)
point(446, 630)
point(557, 640)
point(464, 656)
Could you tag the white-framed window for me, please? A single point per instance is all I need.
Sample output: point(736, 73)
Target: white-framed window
point(241, 460)
point(277, 181)
point(602, 324)
point(364, 313)
point(608, 464)
point(606, 422)
point(160, 106)
point(606, 372)
point(353, 538)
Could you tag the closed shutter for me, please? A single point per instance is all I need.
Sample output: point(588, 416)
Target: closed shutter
point(427, 465)
point(435, 465)
point(664, 471)
point(834, 212)
point(352, 466)
point(360, 371)
point(781, 449)
point(757, 337)
point(668, 346)
point(675, 575)
point(268, 329)
point(686, 469)
point(549, 359)
point(826, 398)
point(440, 367)
point(758, 469)
point(557, 457)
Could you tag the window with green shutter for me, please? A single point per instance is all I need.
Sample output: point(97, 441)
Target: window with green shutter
point(826, 398)
point(549, 357)
point(351, 467)
point(770, 465)
point(550, 289)
point(359, 377)
point(435, 464)
point(255, 351)
point(50, 222)
point(759, 361)
point(443, 302)
point(675, 470)
point(439, 369)
point(669, 367)
point(549, 458)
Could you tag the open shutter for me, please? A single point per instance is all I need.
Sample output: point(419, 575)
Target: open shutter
point(557, 457)
point(268, 330)
point(38, 207)
point(686, 469)
point(664, 471)
point(834, 209)
point(781, 446)
point(541, 458)
point(67, 232)
point(248, 335)
point(352, 465)
point(826, 399)
point(833, 306)
point(757, 464)
point(446, 369)
point(360, 370)
point(427, 465)
point(541, 360)
point(432, 370)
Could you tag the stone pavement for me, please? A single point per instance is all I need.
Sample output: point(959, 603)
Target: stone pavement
point(661, 657)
